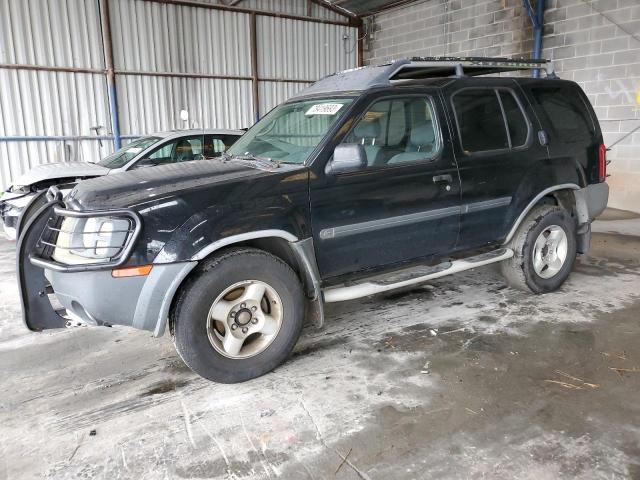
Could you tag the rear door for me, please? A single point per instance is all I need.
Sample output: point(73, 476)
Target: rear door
point(496, 149)
point(572, 130)
point(404, 205)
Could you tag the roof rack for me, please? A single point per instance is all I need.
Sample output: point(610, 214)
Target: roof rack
point(416, 68)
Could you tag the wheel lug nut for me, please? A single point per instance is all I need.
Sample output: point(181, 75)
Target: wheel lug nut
point(234, 326)
point(245, 329)
point(243, 305)
point(254, 308)
point(232, 314)
point(254, 321)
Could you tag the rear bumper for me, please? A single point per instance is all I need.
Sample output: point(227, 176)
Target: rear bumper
point(100, 299)
point(591, 201)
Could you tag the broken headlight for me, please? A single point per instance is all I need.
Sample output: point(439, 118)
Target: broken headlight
point(91, 240)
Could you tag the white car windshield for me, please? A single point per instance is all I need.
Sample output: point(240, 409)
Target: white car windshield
point(121, 157)
point(291, 131)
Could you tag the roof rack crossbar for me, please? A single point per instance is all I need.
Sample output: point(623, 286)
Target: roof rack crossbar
point(416, 68)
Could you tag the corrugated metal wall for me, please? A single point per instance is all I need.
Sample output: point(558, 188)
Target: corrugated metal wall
point(51, 33)
point(167, 58)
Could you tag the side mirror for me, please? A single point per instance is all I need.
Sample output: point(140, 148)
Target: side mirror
point(144, 163)
point(347, 158)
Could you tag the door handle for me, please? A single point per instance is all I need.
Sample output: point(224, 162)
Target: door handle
point(442, 178)
point(543, 138)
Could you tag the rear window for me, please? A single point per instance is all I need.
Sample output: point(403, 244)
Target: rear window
point(480, 121)
point(489, 120)
point(565, 113)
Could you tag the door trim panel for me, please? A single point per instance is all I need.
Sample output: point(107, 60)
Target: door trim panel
point(400, 220)
point(486, 205)
point(372, 225)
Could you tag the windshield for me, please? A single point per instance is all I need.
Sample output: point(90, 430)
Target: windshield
point(121, 157)
point(291, 131)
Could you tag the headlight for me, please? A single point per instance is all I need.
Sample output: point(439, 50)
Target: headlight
point(91, 240)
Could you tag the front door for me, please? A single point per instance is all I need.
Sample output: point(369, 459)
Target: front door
point(404, 205)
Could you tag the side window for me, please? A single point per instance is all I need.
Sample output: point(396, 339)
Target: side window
point(397, 130)
point(516, 121)
point(565, 112)
point(214, 146)
point(480, 121)
point(180, 150)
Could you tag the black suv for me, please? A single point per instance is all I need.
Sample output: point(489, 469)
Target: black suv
point(370, 180)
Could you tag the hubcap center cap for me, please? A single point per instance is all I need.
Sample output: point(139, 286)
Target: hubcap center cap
point(243, 316)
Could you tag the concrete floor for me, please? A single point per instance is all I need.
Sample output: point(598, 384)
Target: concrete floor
point(461, 378)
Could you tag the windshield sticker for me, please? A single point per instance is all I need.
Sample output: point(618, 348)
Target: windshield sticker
point(135, 149)
point(324, 109)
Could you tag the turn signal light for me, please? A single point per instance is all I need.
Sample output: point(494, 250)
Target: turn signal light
point(140, 271)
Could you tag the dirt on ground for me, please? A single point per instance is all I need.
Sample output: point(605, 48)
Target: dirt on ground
point(459, 378)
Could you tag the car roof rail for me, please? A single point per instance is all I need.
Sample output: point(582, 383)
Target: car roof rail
point(418, 68)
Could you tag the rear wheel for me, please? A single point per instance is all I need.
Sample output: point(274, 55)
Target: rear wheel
point(240, 317)
point(544, 250)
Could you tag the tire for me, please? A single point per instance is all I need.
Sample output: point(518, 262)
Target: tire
point(201, 339)
point(522, 271)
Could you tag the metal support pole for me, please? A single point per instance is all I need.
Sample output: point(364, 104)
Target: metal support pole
point(107, 46)
point(254, 67)
point(538, 34)
point(360, 43)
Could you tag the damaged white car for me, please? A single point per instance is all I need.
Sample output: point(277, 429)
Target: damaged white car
point(157, 149)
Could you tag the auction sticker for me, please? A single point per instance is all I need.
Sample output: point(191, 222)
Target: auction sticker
point(324, 109)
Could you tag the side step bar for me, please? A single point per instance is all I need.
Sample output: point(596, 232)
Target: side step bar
point(413, 276)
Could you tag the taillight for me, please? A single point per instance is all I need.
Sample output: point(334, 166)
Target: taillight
point(602, 163)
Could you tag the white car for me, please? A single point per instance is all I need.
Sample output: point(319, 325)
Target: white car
point(157, 149)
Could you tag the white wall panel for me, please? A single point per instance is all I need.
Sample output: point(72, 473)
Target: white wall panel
point(290, 7)
point(60, 33)
point(49, 104)
point(301, 50)
point(149, 104)
point(149, 36)
point(272, 94)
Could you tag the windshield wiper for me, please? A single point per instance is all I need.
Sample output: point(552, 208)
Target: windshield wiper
point(249, 157)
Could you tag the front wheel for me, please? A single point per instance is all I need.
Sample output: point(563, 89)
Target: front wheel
point(544, 250)
point(239, 317)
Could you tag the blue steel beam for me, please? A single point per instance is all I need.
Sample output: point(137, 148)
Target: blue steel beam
point(537, 19)
point(111, 76)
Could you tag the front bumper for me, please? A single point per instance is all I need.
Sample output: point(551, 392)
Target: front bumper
point(90, 292)
point(142, 302)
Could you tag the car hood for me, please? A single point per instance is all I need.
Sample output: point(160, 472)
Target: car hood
point(52, 171)
point(139, 188)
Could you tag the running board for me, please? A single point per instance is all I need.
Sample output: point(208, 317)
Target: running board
point(412, 276)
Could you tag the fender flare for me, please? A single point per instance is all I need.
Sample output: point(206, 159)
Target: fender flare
point(302, 250)
point(564, 186)
point(242, 237)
